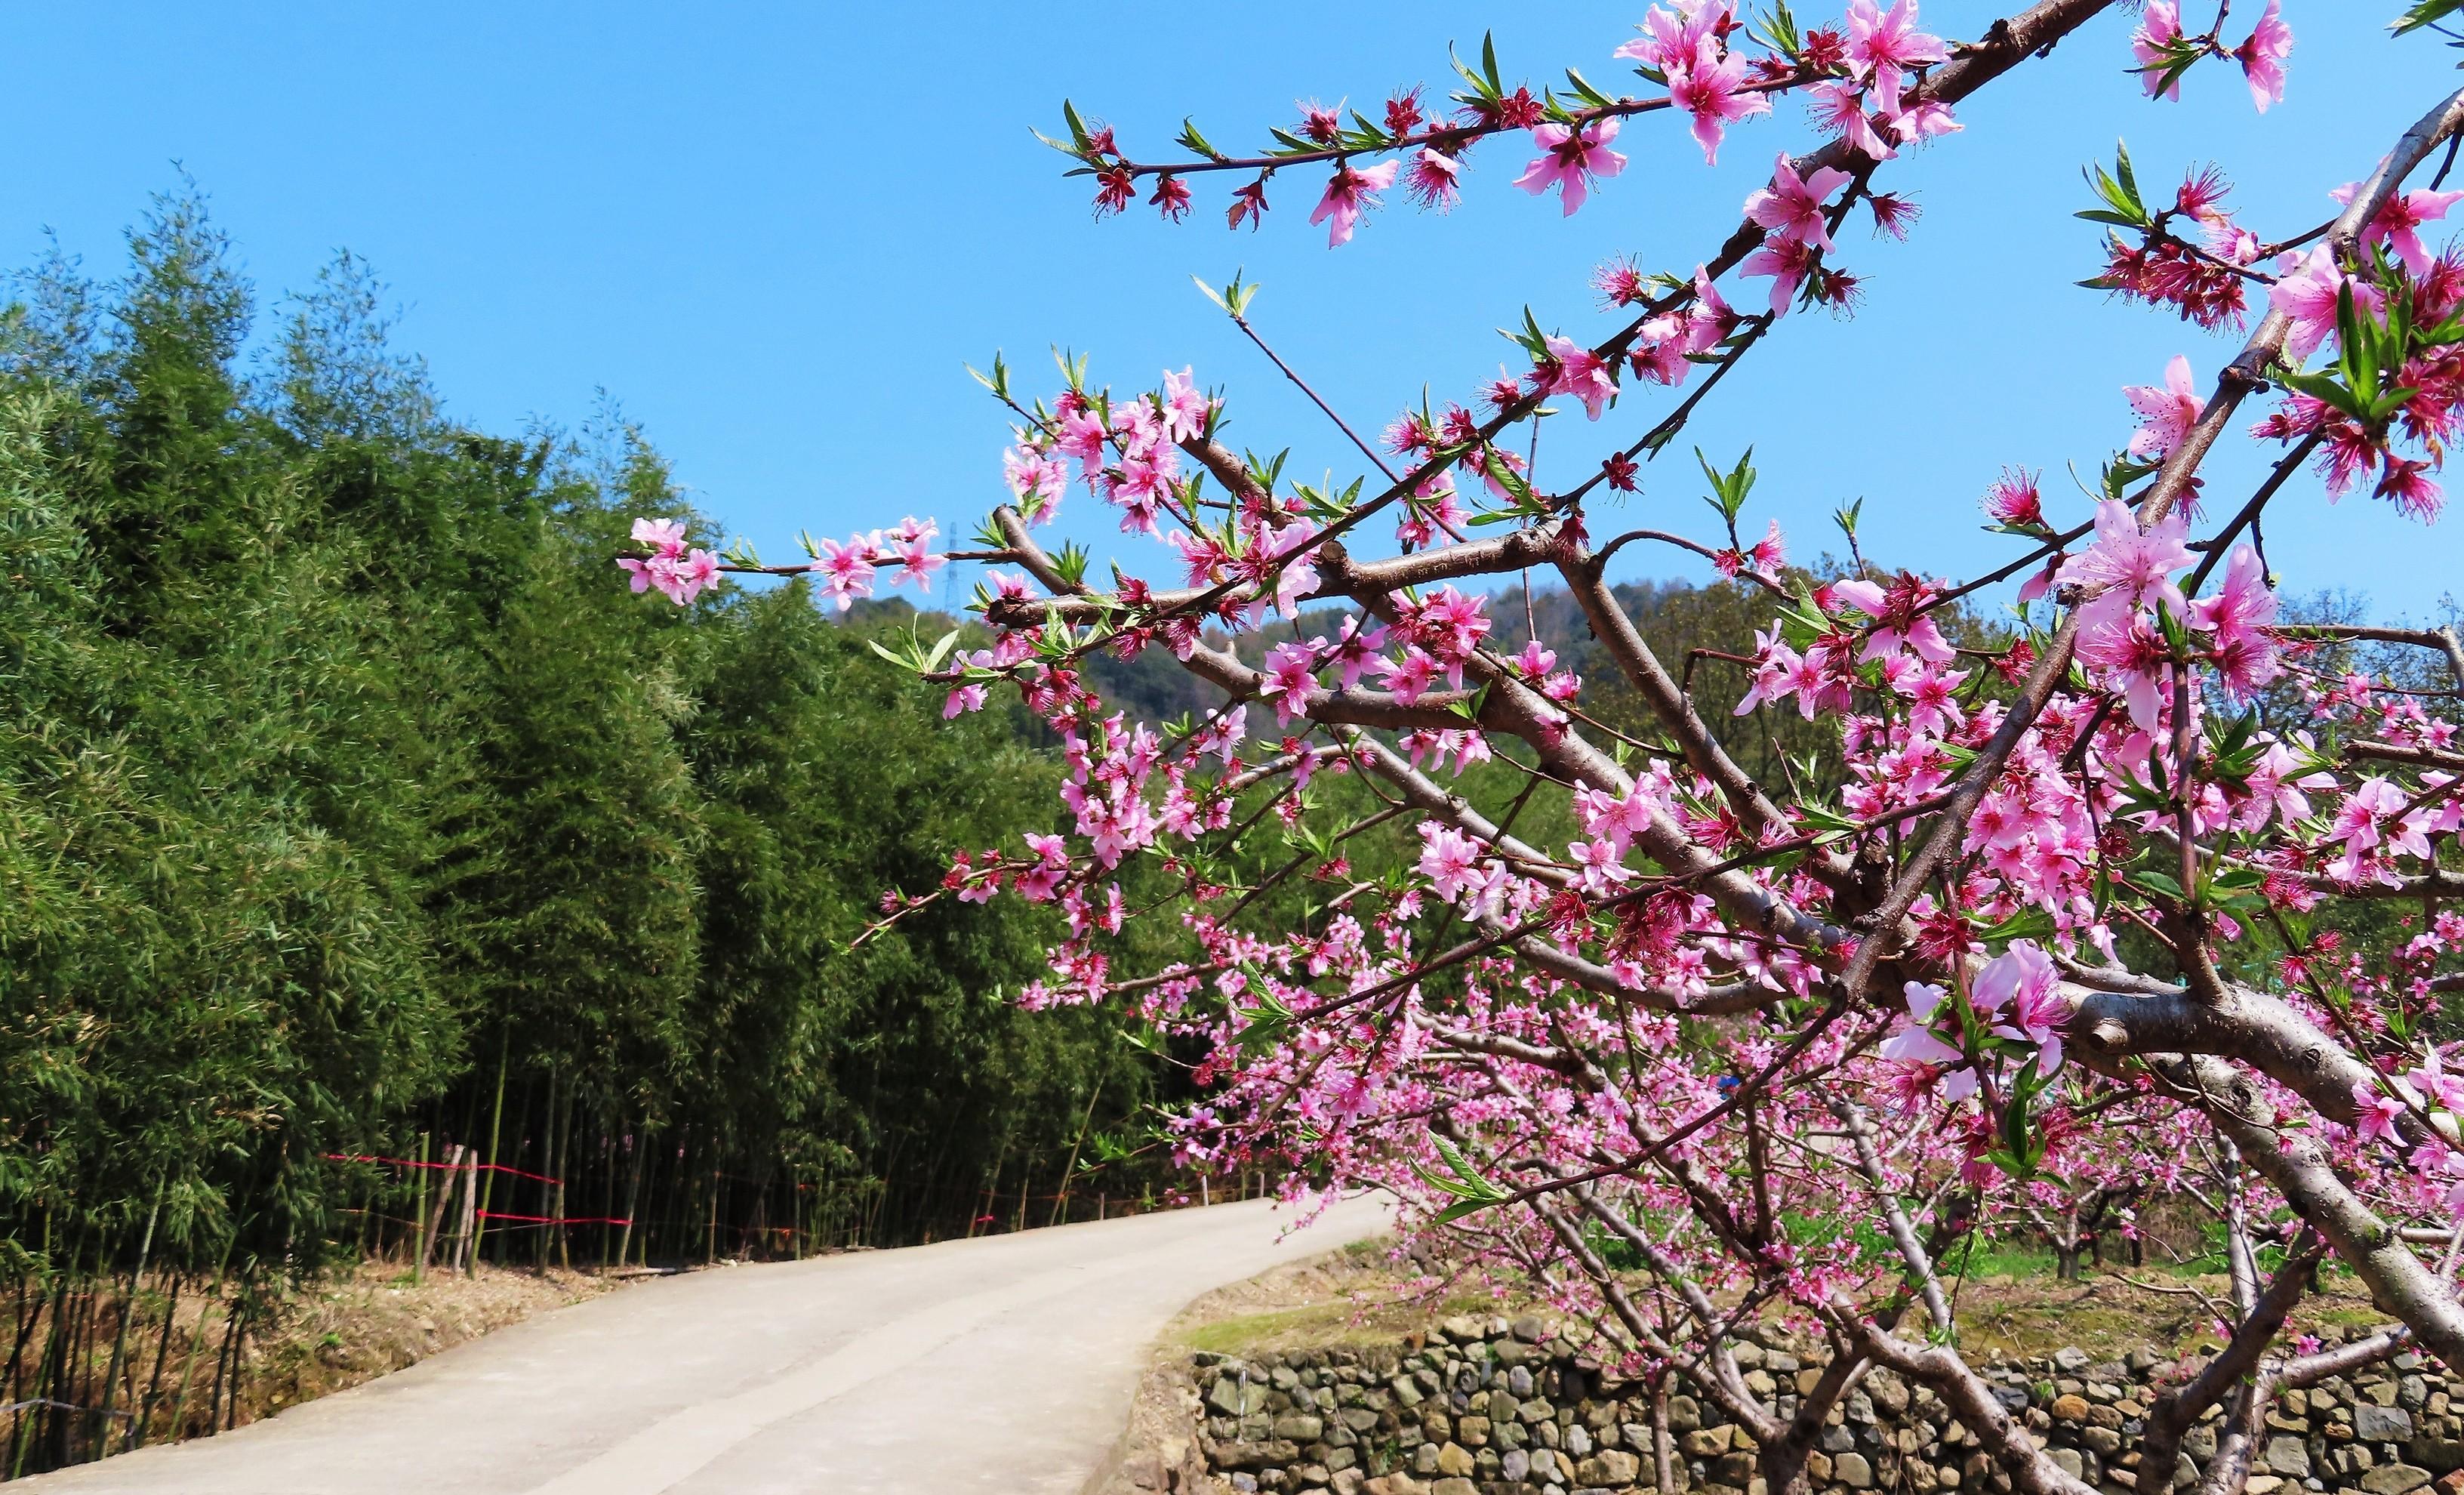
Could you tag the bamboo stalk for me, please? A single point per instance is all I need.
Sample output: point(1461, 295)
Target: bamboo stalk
point(496, 1136)
point(119, 1340)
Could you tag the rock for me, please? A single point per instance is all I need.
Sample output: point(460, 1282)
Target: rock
point(1236, 1397)
point(1270, 1454)
point(2070, 1359)
point(1708, 1443)
point(1853, 1469)
point(2287, 1457)
point(1460, 1328)
point(1530, 1329)
point(1454, 1487)
point(2376, 1424)
point(1472, 1432)
point(2068, 1461)
point(1454, 1459)
point(2443, 1454)
point(1301, 1427)
point(2395, 1479)
point(1609, 1466)
point(1406, 1390)
point(1518, 1380)
point(1516, 1464)
point(1684, 1414)
point(2072, 1408)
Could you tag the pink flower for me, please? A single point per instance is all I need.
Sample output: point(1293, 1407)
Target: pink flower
point(2262, 58)
point(1355, 648)
point(846, 570)
point(2013, 499)
point(1570, 159)
point(917, 563)
point(2160, 28)
point(664, 537)
point(1297, 576)
point(1712, 87)
point(1602, 865)
point(1841, 107)
point(679, 576)
point(2375, 1111)
point(647, 574)
point(1577, 370)
point(2127, 567)
point(1186, 407)
point(1671, 40)
point(2405, 483)
point(1410, 677)
point(2165, 413)
point(1791, 208)
point(1347, 193)
point(2239, 616)
point(1434, 179)
point(965, 699)
point(1881, 45)
point(2396, 222)
point(1787, 262)
point(1447, 857)
point(1923, 122)
point(2025, 980)
point(1037, 479)
point(1291, 675)
point(2310, 297)
point(699, 571)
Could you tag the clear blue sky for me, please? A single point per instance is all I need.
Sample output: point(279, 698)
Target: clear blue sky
point(776, 232)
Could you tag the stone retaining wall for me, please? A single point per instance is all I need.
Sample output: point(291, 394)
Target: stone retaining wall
point(1492, 1407)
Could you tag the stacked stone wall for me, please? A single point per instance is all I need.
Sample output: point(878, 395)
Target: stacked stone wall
point(1497, 1407)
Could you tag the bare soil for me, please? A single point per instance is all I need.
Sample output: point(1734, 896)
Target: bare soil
point(336, 1335)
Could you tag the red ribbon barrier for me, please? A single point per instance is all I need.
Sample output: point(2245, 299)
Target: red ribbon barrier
point(412, 1163)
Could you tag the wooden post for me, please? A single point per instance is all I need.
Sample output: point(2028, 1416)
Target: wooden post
point(465, 1257)
point(444, 1198)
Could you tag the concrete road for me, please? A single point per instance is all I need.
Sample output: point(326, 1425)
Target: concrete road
point(1002, 1364)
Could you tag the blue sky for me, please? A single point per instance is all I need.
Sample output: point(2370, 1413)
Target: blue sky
point(776, 233)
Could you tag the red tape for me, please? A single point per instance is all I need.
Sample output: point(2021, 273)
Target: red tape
point(554, 1220)
point(413, 1163)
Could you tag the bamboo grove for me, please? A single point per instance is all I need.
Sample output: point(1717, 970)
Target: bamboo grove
point(341, 820)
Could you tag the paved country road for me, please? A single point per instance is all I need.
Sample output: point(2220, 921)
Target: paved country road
point(1000, 1364)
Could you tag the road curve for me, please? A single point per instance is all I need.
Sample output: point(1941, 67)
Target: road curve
point(1005, 1363)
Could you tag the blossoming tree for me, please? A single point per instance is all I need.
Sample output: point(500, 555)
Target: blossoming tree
point(2058, 927)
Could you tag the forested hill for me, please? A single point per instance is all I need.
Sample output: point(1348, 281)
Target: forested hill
point(349, 805)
